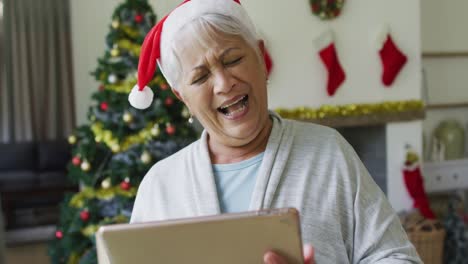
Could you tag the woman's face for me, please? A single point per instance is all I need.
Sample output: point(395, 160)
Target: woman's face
point(224, 86)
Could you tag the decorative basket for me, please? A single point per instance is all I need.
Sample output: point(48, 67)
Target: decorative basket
point(427, 237)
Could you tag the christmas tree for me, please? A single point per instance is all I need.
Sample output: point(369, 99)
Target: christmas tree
point(113, 153)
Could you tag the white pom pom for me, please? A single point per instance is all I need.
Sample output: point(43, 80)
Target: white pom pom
point(141, 99)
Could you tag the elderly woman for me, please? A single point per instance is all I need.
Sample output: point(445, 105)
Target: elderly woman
point(249, 158)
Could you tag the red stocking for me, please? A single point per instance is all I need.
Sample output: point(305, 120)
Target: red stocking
point(414, 184)
point(391, 57)
point(336, 75)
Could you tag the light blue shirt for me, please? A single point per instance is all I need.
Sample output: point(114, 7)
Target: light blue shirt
point(235, 183)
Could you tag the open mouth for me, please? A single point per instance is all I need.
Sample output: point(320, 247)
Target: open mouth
point(235, 107)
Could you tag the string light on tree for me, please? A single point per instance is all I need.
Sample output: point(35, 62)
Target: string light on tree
point(85, 166)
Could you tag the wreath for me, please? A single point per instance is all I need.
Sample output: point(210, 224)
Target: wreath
point(327, 9)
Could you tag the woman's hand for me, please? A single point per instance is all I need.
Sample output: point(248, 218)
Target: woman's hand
point(272, 258)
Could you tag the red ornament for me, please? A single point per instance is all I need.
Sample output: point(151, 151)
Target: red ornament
point(169, 101)
point(84, 215)
point(101, 87)
point(125, 185)
point(170, 129)
point(139, 18)
point(58, 234)
point(76, 161)
point(164, 86)
point(104, 106)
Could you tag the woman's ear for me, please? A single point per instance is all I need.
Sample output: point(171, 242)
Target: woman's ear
point(261, 46)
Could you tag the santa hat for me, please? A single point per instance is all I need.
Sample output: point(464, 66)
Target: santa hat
point(157, 42)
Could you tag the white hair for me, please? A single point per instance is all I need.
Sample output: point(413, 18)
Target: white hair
point(203, 29)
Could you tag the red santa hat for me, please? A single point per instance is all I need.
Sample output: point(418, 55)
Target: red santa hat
point(157, 43)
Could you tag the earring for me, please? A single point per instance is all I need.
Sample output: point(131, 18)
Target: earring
point(190, 120)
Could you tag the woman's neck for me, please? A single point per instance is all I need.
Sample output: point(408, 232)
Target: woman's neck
point(222, 154)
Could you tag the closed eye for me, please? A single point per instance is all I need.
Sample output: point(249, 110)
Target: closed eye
point(233, 62)
point(200, 80)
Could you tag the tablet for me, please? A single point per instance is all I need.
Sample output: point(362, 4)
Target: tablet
point(226, 238)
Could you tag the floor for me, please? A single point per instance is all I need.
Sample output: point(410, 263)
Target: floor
point(26, 254)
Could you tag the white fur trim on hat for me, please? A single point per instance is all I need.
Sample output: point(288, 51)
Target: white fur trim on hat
point(141, 99)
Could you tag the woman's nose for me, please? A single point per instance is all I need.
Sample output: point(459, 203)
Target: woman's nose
point(224, 81)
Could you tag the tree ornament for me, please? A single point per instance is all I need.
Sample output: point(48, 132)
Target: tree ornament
point(84, 215)
point(76, 161)
point(164, 86)
point(112, 78)
point(104, 106)
point(145, 157)
point(115, 24)
point(115, 147)
point(127, 117)
point(169, 101)
point(59, 234)
point(185, 113)
point(155, 131)
point(106, 183)
point(139, 18)
point(125, 184)
point(170, 129)
point(85, 166)
point(72, 139)
point(101, 87)
point(327, 9)
point(115, 52)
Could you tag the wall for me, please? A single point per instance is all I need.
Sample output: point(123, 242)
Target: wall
point(289, 29)
point(446, 80)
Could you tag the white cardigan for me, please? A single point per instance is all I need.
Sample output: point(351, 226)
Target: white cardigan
point(344, 215)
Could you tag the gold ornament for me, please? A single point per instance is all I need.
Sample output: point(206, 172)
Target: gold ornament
point(85, 166)
point(106, 184)
point(155, 131)
point(115, 148)
point(145, 157)
point(127, 117)
point(72, 139)
point(115, 52)
point(115, 24)
point(185, 113)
